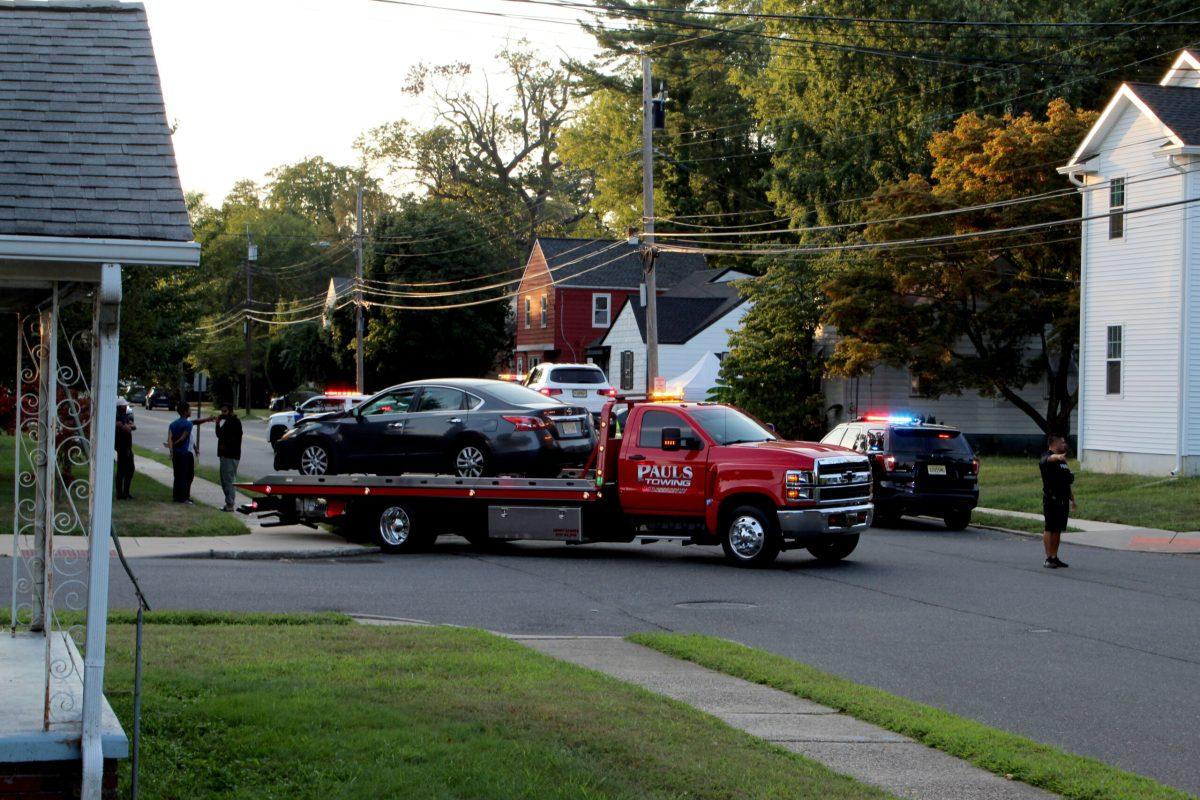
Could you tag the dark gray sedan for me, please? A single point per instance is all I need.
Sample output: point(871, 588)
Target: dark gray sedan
point(463, 426)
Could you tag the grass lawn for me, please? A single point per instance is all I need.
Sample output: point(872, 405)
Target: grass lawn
point(150, 513)
point(997, 751)
point(1012, 523)
point(1014, 483)
point(326, 710)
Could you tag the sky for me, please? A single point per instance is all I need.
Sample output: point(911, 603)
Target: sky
point(253, 84)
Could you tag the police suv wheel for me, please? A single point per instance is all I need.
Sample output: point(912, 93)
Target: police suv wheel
point(750, 538)
point(315, 459)
point(834, 548)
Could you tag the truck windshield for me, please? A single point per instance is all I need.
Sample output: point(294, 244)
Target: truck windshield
point(729, 426)
point(913, 442)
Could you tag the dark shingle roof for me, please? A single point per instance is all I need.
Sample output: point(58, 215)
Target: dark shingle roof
point(86, 147)
point(686, 311)
point(1177, 107)
point(576, 262)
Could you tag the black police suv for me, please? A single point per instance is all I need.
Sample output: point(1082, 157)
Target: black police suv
point(918, 468)
point(463, 426)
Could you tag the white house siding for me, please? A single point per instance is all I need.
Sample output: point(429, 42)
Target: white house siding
point(1192, 346)
point(673, 359)
point(1134, 282)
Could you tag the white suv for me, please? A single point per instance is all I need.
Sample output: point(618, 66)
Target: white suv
point(278, 424)
point(578, 384)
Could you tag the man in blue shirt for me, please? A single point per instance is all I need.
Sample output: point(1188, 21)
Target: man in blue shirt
point(179, 442)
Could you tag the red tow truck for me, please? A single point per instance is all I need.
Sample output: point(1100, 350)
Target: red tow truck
point(701, 473)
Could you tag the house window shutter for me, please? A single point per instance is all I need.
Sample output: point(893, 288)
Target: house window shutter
point(626, 369)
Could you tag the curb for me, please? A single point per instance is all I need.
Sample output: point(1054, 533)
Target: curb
point(274, 555)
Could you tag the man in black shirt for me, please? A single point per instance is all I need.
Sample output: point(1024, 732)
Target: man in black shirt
point(229, 451)
point(124, 448)
point(1058, 498)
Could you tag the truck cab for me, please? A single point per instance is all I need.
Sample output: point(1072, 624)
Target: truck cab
point(716, 470)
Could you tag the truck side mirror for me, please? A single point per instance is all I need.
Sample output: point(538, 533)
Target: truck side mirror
point(771, 427)
point(670, 439)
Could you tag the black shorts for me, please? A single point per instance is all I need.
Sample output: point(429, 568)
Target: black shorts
point(1055, 513)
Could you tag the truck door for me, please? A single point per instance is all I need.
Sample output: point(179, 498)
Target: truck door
point(660, 476)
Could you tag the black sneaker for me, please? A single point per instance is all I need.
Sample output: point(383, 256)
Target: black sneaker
point(1050, 563)
point(1060, 564)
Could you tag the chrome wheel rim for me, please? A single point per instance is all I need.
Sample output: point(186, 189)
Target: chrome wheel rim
point(469, 462)
point(314, 460)
point(747, 536)
point(394, 526)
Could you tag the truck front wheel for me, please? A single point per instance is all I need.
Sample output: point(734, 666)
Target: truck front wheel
point(396, 531)
point(751, 537)
point(834, 548)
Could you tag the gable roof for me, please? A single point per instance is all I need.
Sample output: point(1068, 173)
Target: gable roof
point(591, 262)
point(687, 310)
point(1174, 103)
point(87, 149)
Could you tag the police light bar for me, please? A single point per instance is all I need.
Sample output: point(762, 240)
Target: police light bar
point(340, 392)
point(667, 394)
point(512, 377)
point(894, 419)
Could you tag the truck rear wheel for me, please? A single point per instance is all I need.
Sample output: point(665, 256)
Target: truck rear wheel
point(751, 537)
point(833, 548)
point(396, 529)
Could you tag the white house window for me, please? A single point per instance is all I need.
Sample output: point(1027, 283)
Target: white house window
point(626, 369)
point(544, 311)
point(916, 386)
point(534, 361)
point(1112, 365)
point(528, 313)
point(601, 310)
point(1116, 203)
point(520, 365)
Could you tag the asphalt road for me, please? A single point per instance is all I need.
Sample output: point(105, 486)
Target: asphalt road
point(257, 455)
point(1101, 659)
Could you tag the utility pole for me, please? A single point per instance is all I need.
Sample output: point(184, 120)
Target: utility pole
point(358, 294)
point(251, 258)
point(648, 254)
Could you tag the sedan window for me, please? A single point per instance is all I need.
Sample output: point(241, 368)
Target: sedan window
point(396, 402)
point(439, 398)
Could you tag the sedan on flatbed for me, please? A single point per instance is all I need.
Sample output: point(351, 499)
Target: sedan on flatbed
point(461, 426)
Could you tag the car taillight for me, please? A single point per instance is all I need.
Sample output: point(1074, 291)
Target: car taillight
point(888, 462)
point(607, 392)
point(974, 466)
point(526, 423)
point(546, 390)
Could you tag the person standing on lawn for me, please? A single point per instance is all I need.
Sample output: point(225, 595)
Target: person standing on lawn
point(1058, 497)
point(183, 463)
point(229, 451)
point(124, 448)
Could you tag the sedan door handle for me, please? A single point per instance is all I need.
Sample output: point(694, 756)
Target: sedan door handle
point(454, 421)
point(637, 457)
point(396, 425)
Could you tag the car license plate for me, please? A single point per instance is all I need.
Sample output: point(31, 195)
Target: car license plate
point(569, 428)
point(579, 393)
point(936, 469)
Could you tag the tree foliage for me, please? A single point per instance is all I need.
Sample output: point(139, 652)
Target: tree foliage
point(994, 314)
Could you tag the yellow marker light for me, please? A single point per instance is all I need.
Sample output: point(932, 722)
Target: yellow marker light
point(667, 395)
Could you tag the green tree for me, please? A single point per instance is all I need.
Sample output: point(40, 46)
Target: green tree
point(774, 366)
point(325, 194)
point(423, 242)
point(496, 158)
point(994, 314)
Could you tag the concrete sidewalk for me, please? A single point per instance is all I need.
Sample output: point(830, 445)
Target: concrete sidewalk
point(1113, 536)
point(871, 754)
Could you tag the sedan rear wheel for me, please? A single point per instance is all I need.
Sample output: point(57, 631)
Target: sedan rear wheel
point(315, 460)
point(471, 461)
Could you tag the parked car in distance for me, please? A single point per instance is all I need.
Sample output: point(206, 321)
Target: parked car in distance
point(917, 468)
point(579, 384)
point(159, 398)
point(469, 427)
point(278, 424)
point(290, 400)
point(136, 396)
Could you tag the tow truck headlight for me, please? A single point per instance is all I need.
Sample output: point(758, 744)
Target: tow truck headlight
point(798, 485)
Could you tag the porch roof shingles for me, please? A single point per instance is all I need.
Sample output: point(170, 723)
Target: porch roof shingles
point(87, 149)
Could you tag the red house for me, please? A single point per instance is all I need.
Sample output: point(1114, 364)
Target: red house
point(571, 290)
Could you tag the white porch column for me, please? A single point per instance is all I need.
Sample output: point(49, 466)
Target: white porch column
point(106, 318)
